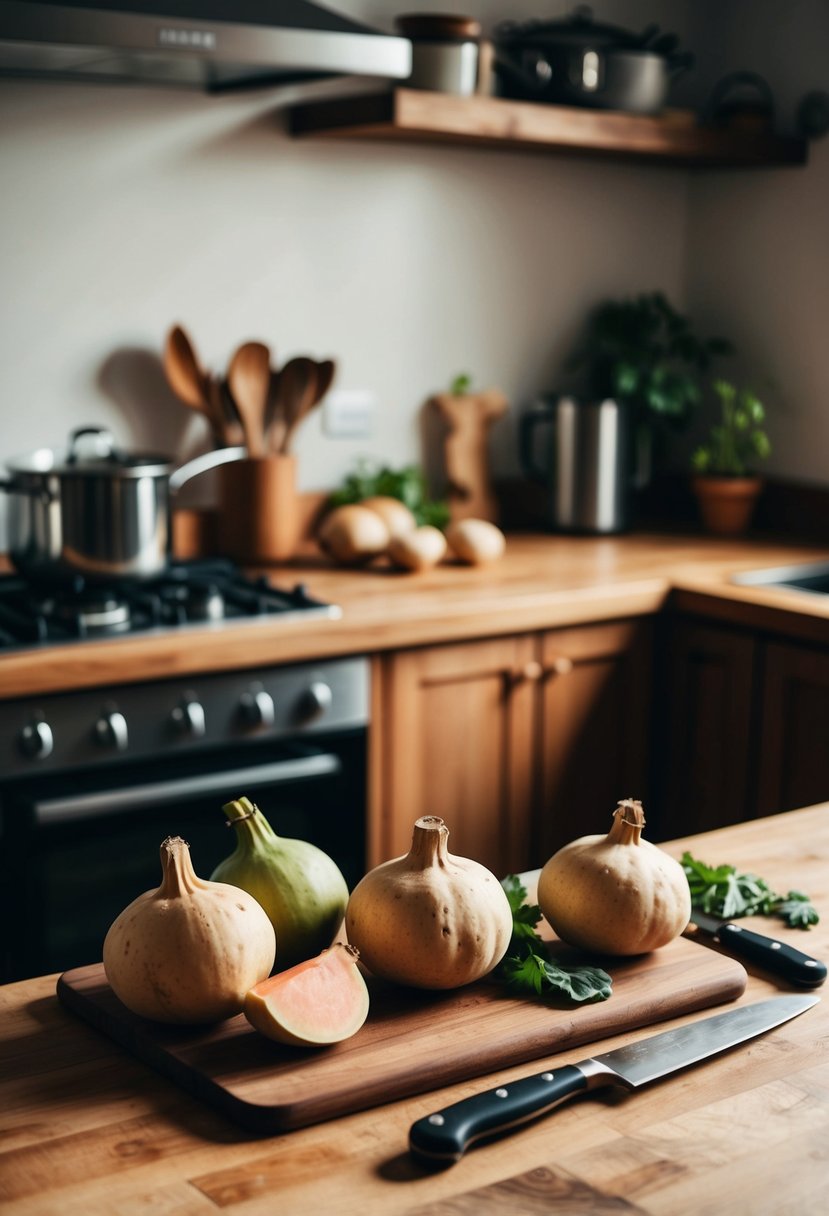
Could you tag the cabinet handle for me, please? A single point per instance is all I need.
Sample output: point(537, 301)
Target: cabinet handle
point(562, 666)
point(534, 673)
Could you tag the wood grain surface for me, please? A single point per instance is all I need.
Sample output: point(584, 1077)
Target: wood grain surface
point(86, 1130)
point(422, 116)
point(541, 582)
point(412, 1042)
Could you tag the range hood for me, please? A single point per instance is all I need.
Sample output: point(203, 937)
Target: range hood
point(211, 44)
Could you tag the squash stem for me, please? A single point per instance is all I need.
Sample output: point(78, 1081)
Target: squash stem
point(253, 831)
point(628, 821)
point(429, 842)
point(179, 877)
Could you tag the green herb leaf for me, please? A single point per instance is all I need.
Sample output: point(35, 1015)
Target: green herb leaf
point(460, 385)
point(526, 974)
point(798, 910)
point(722, 891)
point(407, 484)
point(527, 967)
point(524, 916)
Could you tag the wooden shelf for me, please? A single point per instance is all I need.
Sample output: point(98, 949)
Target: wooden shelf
point(414, 115)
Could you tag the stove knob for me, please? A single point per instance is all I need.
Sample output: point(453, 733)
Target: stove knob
point(316, 701)
point(111, 730)
point(257, 707)
point(188, 717)
point(36, 740)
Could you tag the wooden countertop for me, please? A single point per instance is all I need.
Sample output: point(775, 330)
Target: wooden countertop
point(542, 581)
point(86, 1129)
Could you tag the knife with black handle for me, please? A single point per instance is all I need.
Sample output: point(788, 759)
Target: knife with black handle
point(766, 952)
point(444, 1136)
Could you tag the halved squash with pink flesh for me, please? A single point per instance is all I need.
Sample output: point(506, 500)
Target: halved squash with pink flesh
point(323, 1000)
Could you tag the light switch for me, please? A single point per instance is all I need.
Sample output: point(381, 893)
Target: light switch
point(348, 413)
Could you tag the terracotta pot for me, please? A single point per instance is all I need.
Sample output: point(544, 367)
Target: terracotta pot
point(726, 504)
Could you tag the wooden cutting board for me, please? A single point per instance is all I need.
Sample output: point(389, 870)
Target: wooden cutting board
point(413, 1041)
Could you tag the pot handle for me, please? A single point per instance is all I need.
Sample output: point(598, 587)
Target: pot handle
point(201, 464)
point(530, 76)
point(18, 487)
point(541, 413)
point(103, 436)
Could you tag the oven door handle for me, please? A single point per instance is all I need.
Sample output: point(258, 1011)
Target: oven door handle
point(143, 797)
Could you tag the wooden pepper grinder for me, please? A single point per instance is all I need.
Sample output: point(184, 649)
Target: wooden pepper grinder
point(469, 417)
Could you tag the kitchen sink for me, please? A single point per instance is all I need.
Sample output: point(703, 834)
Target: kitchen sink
point(812, 578)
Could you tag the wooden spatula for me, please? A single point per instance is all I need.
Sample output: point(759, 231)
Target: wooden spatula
point(297, 395)
point(188, 380)
point(249, 378)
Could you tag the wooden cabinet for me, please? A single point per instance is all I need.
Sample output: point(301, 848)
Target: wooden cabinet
point(745, 727)
point(593, 729)
point(794, 741)
point(519, 743)
point(703, 736)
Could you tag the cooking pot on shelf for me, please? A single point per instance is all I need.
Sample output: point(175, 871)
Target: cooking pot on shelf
point(576, 61)
point(95, 510)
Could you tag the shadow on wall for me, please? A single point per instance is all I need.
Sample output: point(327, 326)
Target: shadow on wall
point(133, 379)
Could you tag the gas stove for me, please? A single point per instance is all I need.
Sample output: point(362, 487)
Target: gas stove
point(189, 595)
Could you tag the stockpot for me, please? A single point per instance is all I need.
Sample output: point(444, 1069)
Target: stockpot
point(95, 510)
point(576, 61)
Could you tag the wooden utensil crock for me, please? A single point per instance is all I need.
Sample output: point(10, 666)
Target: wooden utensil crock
point(259, 518)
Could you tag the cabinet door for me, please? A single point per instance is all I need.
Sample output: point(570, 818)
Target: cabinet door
point(594, 728)
point(794, 756)
point(707, 727)
point(453, 737)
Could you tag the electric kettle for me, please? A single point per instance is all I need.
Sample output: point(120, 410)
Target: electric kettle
point(586, 469)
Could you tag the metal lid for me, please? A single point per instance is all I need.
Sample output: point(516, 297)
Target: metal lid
point(92, 452)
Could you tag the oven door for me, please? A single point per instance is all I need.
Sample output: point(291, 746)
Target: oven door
point(75, 853)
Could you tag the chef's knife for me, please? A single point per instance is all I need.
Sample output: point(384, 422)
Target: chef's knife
point(766, 952)
point(444, 1135)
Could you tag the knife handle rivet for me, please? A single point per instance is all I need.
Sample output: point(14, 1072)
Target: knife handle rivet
point(810, 962)
point(502, 1093)
point(546, 1076)
point(437, 1120)
point(775, 946)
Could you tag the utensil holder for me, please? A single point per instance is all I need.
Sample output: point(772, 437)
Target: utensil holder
point(259, 520)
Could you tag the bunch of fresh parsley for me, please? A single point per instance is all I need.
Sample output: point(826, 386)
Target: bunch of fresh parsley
point(722, 891)
point(527, 967)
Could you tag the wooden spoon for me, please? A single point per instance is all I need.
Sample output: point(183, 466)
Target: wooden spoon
point(298, 384)
point(188, 380)
point(249, 378)
point(225, 411)
point(326, 370)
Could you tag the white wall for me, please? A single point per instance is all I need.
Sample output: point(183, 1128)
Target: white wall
point(758, 242)
point(126, 209)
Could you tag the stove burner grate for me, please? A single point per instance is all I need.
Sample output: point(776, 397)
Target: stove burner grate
point(188, 593)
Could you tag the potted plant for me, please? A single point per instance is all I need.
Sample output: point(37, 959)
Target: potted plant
point(725, 484)
point(642, 352)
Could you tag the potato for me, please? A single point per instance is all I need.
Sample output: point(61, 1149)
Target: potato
point(353, 534)
point(419, 549)
point(394, 513)
point(475, 541)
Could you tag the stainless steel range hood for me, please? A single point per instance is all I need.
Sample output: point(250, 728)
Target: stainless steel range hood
point(211, 44)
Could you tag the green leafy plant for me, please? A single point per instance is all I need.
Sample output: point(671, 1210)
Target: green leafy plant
point(407, 484)
point(643, 352)
point(528, 968)
point(723, 891)
point(737, 440)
